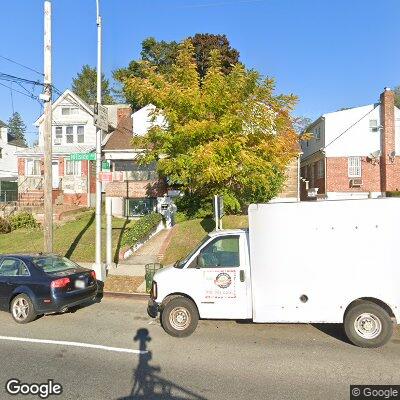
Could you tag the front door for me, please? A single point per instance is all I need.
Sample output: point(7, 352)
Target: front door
point(56, 180)
point(223, 277)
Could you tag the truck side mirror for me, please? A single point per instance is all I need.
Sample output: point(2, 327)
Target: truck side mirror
point(199, 261)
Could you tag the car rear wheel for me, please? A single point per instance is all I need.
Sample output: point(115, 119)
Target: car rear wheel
point(179, 317)
point(368, 325)
point(22, 309)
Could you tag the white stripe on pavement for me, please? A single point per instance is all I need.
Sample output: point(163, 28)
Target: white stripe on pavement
point(75, 344)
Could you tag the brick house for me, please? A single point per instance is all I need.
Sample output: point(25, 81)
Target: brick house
point(354, 153)
point(73, 132)
point(137, 189)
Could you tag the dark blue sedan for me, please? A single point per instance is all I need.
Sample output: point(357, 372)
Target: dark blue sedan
point(36, 284)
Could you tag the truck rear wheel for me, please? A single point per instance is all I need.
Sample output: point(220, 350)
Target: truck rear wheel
point(368, 325)
point(179, 317)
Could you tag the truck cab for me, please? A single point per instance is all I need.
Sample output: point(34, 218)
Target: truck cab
point(215, 277)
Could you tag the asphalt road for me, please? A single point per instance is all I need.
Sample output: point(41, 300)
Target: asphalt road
point(221, 360)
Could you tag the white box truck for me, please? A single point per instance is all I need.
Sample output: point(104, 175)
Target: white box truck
point(308, 262)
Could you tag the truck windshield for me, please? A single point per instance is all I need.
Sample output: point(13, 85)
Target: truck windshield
point(181, 263)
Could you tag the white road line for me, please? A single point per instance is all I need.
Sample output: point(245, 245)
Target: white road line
point(74, 344)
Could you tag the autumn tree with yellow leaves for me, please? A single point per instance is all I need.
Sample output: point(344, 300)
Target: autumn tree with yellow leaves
point(226, 134)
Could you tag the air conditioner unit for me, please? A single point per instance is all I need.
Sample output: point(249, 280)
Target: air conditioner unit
point(356, 182)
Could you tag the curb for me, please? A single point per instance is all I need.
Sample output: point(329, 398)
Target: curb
point(137, 296)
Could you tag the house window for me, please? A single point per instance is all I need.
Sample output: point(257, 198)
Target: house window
point(80, 130)
point(69, 111)
point(70, 134)
point(373, 125)
point(354, 167)
point(140, 206)
point(58, 135)
point(33, 167)
point(318, 133)
point(1, 152)
point(320, 169)
point(72, 168)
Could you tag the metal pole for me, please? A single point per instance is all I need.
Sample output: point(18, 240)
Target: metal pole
point(109, 231)
point(48, 201)
point(98, 262)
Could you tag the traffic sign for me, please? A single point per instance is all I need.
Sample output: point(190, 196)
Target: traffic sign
point(82, 156)
point(106, 176)
point(105, 166)
point(100, 117)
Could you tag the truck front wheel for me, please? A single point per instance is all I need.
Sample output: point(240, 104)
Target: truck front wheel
point(179, 317)
point(368, 325)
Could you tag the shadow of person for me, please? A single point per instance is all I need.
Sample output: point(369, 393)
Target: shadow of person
point(144, 380)
point(148, 385)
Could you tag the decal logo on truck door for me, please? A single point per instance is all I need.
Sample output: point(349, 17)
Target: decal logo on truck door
point(220, 284)
point(223, 280)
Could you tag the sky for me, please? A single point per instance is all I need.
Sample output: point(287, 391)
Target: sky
point(331, 54)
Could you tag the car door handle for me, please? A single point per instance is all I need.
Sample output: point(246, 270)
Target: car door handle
point(241, 275)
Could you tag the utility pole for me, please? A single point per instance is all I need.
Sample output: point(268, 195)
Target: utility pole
point(98, 263)
point(47, 133)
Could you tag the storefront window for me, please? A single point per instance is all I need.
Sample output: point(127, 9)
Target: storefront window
point(142, 206)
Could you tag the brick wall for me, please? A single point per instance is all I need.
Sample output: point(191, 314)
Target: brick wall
point(21, 166)
point(389, 168)
point(136, 189)
point(292, 180)
point(338, 179)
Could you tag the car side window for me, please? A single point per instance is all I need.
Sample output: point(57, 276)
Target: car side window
point(13, 267)
point(221, 252)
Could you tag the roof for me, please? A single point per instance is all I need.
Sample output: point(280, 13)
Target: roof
point(16, 142)
point(73, 98)
point(57, 150)
point(226, 232)
point(121, 138)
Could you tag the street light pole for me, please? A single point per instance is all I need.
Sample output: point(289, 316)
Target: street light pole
point(98, 262)
point(47, 136)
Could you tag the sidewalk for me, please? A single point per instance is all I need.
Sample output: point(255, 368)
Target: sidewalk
point(128, 276)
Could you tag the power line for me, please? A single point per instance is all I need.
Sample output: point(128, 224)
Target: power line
point(344, 132)
point(32, 96)
point(21, 65)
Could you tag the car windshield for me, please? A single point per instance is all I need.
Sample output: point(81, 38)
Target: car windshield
point(181, 263)
point(50, 264)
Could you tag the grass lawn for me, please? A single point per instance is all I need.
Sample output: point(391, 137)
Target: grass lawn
point(73, 239)
point(186, 235)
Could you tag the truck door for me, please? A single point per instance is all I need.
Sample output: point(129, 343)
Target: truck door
point(223, 273)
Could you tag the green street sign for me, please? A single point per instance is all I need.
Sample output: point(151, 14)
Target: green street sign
point(82, 156)
point(105, 166)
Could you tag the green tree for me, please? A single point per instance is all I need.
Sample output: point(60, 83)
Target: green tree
point(162, 56)
point(85, 86)
point(204, 43)
point(17, 127)
point(230, 136)
point(397, 96)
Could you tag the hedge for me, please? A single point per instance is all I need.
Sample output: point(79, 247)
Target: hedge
point(23, 219)
point(5, 226)
point(393, 194)
point(140, 229)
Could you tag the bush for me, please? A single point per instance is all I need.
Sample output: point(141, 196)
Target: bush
point(393, 194)
point(5, 226)
point(23, 219)
point(140, 229)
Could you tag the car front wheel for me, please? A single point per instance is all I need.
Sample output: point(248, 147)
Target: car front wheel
point(22, 309)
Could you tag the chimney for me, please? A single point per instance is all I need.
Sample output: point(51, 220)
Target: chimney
point(388, 159)
point(123, 114)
